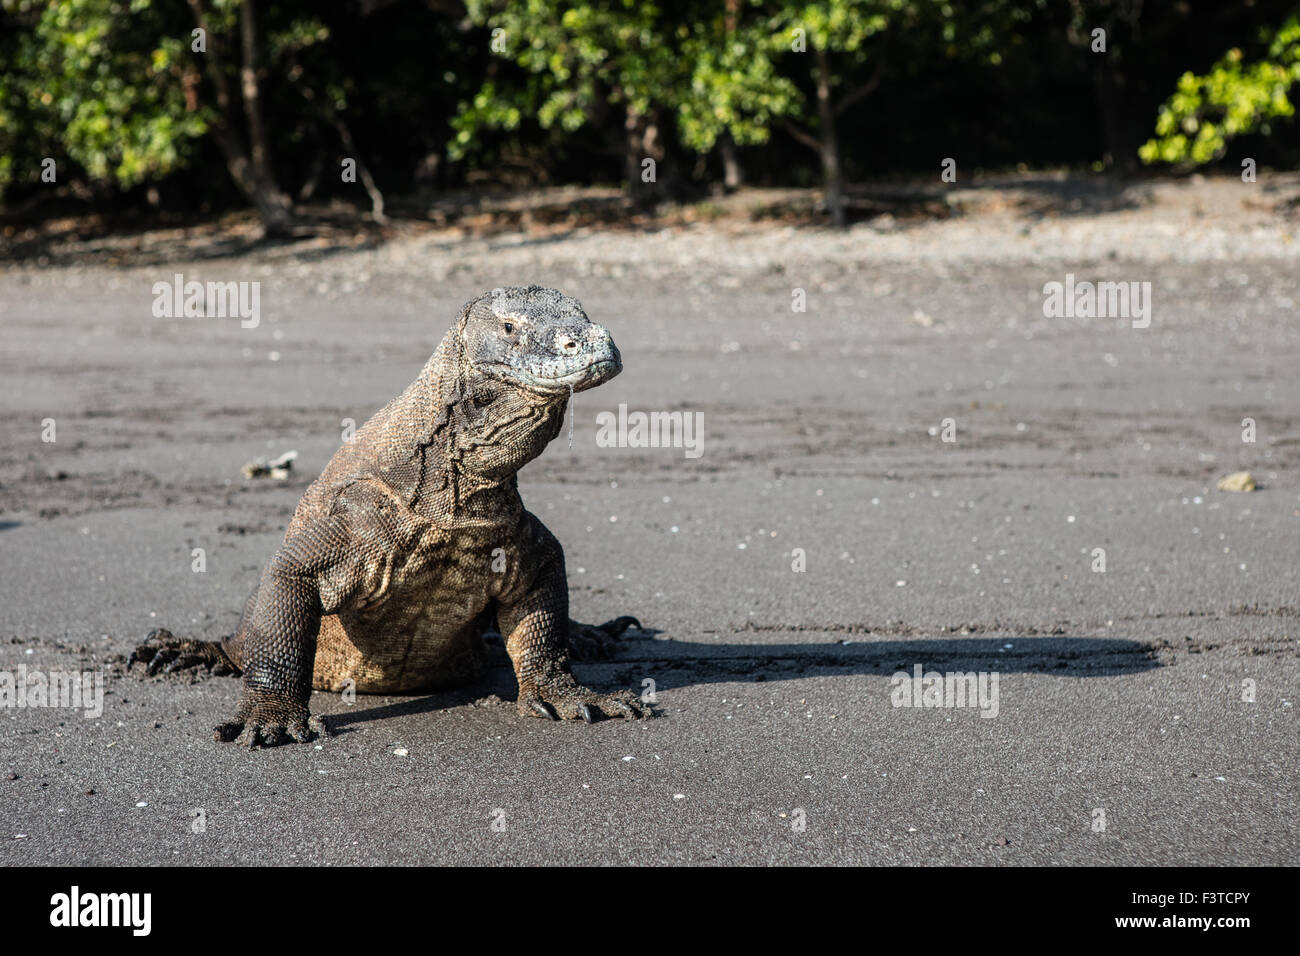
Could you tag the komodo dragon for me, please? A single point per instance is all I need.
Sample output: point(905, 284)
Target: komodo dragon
point(414, 539)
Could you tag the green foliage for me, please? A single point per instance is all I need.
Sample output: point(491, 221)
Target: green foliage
point(1235, 98)
point(113, 92)
point(102, 83)
point(843, 26)
point(895, 32)
point(576, 60)
point(733, 83)
point(734, 68)
point(713, 75)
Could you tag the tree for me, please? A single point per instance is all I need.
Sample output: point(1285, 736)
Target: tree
point(835, 36)
point(249, 165)
point(606, 52)
point(1109, 70)
point(712, 74)
point(119, 91)
point(852, 46)
point(733, 94)
point(88, 85)
point(1234, 98)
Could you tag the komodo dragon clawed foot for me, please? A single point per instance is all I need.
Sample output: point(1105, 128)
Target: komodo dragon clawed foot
point(266, 718)
point(164, 653)
point(596, 642)
point(563, 698)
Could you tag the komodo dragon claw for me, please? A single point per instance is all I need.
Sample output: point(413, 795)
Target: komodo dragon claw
point(267, 718)
point(563, 698)
point(542, 710)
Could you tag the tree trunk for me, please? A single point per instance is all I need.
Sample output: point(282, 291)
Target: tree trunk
point(1113, 102)
point(315, 177)
point(368, 181)
point(733, 174)
point(250, 175)
point(830, 148)
point(272, 204)
point(641, 142)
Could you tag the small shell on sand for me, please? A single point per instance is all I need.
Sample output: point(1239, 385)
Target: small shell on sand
point(1237, 481)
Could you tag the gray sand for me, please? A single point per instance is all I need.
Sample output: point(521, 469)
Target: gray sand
point(1120, 693)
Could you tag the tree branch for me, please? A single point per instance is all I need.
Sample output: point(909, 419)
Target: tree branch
point(803, 136)
point(863, 90)
point(327, 112)
point(212, 61)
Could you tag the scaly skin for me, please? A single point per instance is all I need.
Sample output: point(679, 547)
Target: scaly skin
point(414, 536)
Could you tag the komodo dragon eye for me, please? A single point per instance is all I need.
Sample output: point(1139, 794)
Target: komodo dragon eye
point(509, 328)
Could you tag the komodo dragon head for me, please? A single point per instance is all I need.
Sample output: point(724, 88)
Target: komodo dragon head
point(537, 339)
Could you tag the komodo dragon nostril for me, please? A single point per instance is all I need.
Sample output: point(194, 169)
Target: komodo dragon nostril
point(566, 342)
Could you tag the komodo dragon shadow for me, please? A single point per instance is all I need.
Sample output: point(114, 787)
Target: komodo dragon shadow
point(673, 664)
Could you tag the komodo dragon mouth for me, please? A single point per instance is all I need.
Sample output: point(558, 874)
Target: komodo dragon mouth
point(578, 380)
point(580, 359)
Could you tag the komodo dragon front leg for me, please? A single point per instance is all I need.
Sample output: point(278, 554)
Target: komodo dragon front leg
point(536, 626)
point(315, 572)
